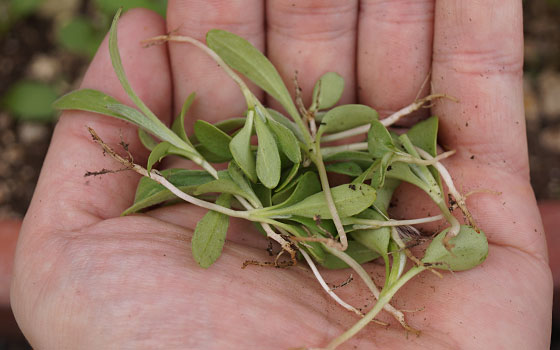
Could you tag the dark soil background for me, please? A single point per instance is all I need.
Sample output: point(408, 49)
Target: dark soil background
point(31, 49)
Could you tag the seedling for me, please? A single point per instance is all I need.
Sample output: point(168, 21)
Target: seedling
point(282, 183)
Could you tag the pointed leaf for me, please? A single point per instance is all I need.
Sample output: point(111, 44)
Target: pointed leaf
point(328, 90)
point(349, 200)
point(307, 185)
point(146, 139)
point(162, 150)
point(356, 250)
point(222, 185)
point(240, 147)
point(287, 141)
point(210, 234)
point(88, 100)
point(345, 168)
point(237, 176)
point(150, 192)
point(268, 158)
point(214, 139)
point(375, 239)
point(379, 140)
point(287, 177)
point(178, 125)
point(280, 118)
point(242, 56)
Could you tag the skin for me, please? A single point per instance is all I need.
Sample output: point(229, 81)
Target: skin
point(85, 278)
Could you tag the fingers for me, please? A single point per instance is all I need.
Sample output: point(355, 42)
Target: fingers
point(313, 37)
point(64, 198)
point(394, 52)
point(478, 58)
point(218, 97)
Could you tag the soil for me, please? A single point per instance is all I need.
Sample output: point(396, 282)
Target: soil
point(29, 50)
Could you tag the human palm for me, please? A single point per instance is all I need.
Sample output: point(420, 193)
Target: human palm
point(87, 278)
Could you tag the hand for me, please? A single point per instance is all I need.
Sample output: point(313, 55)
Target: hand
point(86, 278)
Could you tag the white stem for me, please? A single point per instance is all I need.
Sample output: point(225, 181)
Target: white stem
point(395, 117)
point(326, 287)
point(359, 146)
point(412, 160)
point(346, 133)
point(367, 223)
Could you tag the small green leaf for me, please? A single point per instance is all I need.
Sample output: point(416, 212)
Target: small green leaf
point(307, 185)
point(349, 200)
point(210, 234)
point(286, 140)
point(178, 125)
point(162, 150)
point(29, 100)
point(268, 158)
point(356, 250)
point(424, 135)
point(146, 139)
point(89, 100)
point(375, 239)
point(280, 118)
point(240, 147)
point(209, 156)
point(346, 117)
point(150, 192)
point(237, 176)
point(214, 139)
point(222, 185)
point(242, 56)
point(264, 194)
point(327, 90)
point(470, 250)
point(385, 194)
point(345, 168)
point(379, 140)
point(287, 177)
point(401, 171)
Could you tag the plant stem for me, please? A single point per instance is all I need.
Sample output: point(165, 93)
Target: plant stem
point(384, 298)
point(360, 146)
point(369, 223)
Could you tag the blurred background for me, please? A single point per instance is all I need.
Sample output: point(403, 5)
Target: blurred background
point(45, 47)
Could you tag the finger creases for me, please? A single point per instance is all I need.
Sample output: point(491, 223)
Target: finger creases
point(478, 59)
point(312, 38)
point(217, 95)
point(394, 52)
point(72, 152)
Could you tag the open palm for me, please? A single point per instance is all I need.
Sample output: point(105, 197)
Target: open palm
point(86, 278)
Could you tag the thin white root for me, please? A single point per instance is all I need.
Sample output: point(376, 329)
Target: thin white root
point(367, 223)
point(326, 287)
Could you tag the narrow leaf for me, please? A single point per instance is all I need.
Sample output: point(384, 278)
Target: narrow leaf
point(375, 239)
point(88, 100)
point(287, 177)
point(268, 158)
point(210, 234)
point(146, 139)
point(344, 168)
point(240, 147)
point(307, 185)
point(379, 140)
point(287, 141)
point(162, 150)
point(237, 176)
point(242, 56)
point(178, 125)
point(223, 185)
point(356, 250)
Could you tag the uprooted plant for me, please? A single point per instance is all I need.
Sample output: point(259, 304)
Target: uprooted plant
point(282, 184)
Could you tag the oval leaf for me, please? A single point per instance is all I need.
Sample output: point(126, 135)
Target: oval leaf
point(379, 140)
point(346, 117)
point(240, 147)
point(327, 90)
point(287, 141)
point(268, 159)
point(344, 168)
point(214, 139)
point(210, 234)
point(470, 250)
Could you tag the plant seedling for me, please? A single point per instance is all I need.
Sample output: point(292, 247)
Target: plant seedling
point(282, 184)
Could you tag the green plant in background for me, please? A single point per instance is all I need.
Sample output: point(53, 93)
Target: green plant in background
point(281, 184)
point(30, 100)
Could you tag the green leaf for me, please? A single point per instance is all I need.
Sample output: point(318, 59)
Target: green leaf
point(384, 195)
point(264, 194)
point(356, 250)
point(178, 126)
point(470, 250)
point(287, 177)
point(210, 234)
point(401, 171)
point(29, 100)
point(222, 185)
point(89, 100)
point(240, 147)
point(268, 158)
point(150, 192)
point(346, 117)
point(379, 140)
point(146, 139)
point(286, 140)
point(424, 135)
point(307, 185)
point(162, 150)
point(242, 56)
point(237, 176)
point(80, 36)
point(214, 139)
point(345, 168)
point(209, 156)
point(327, 90)
point(280, 118)
point(349, 200)
point(375, 239)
